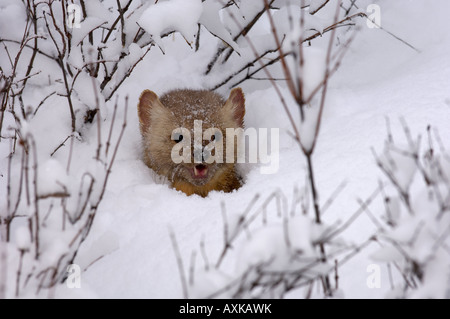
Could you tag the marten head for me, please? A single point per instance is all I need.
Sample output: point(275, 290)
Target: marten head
point(185, 140)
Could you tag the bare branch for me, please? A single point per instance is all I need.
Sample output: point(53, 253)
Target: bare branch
point(179, 263)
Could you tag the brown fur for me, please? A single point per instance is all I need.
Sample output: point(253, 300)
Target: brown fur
point(179, 108)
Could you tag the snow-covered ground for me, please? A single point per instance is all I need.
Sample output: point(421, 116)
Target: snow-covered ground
point(380, 78)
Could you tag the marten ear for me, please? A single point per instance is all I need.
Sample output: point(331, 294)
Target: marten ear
point(236, 105)
point(147, 101)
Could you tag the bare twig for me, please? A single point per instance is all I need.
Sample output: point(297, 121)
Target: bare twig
point(327, 237)
point(19, 272)
point(179, 263)
point(203, 252)
point(122, 22)
point(333, 197)
point(323, 4)
point(127, 74)
point(244, 31)
point(61, 145)
point(192, 268)
point(241, 224)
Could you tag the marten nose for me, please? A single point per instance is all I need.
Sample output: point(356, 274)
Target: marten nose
point(198, 154)
point(201, 153)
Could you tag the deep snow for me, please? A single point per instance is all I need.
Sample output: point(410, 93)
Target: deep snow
point(380, 77)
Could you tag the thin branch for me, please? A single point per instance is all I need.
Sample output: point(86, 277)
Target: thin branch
point(203, 252)
point(49, 56)
point(244, 31)
point(333, 197)
point(61, 145)
point(323, 4)
point(127, 74)
point(119, 17)
point(184, 283)
point(325, 85)
point(108, 141)
point(122, 22)
point(241, 224)
point(247, 66)
point(274, 84)
point(192, 268)
point(287, 73)
point(327, 237)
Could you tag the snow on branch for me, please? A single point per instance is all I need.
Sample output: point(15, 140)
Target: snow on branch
point(276, 248)
point(414, 230)
point(48, 201)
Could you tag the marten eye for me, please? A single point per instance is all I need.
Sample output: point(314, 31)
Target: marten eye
point(177, 137)
point(216, 137)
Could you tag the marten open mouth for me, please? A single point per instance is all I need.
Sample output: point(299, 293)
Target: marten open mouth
point(200, 171)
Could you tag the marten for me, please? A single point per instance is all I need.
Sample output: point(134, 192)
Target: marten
point(171, 119)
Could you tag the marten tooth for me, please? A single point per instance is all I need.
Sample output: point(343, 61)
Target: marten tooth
point(200, 171)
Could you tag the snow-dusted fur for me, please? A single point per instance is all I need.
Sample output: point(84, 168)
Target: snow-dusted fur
point(179, 109)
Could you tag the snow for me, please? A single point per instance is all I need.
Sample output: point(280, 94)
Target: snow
point(128, 252)
point(401, 166)
point(211, 20)
point(95, 8)
point(89, 24)
point(23, 240)
point(87, 90)
point(52, 178)
point(435, 287)
point(174, 15)
point(11, 12)
point(387, 254)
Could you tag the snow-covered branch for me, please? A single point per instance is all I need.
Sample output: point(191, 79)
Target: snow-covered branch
point(413, 231)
